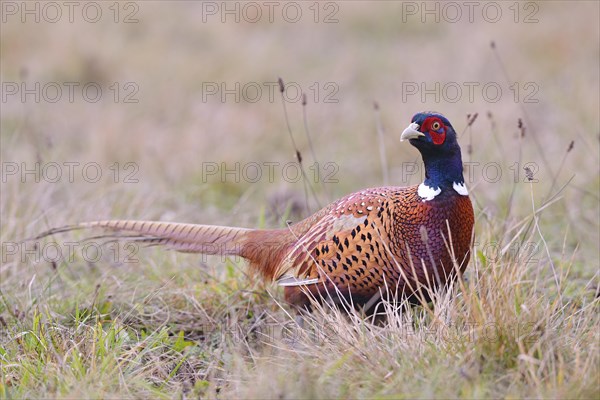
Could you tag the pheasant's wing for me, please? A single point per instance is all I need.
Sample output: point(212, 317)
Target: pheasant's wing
point(350, 244)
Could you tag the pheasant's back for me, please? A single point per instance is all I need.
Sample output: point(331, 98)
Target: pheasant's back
point(378, 238)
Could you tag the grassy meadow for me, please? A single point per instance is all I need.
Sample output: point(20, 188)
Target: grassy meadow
point(170, 111)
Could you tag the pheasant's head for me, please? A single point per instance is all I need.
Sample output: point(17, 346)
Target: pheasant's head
point(433, 135)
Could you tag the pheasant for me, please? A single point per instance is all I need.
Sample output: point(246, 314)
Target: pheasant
point(357, 248)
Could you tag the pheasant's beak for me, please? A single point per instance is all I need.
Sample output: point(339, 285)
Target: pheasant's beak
point(411, 132)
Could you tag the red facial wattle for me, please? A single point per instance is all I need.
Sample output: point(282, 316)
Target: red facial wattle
point(436, 129)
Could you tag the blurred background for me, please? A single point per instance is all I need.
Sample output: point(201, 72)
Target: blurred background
point(135, 109)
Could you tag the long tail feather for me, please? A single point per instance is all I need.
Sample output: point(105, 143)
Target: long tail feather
point(192, 238)
point(264, 249)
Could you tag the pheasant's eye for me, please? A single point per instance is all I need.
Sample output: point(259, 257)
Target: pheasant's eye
point(435, 126)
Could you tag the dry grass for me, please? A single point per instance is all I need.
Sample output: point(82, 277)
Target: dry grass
point(523, 324)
